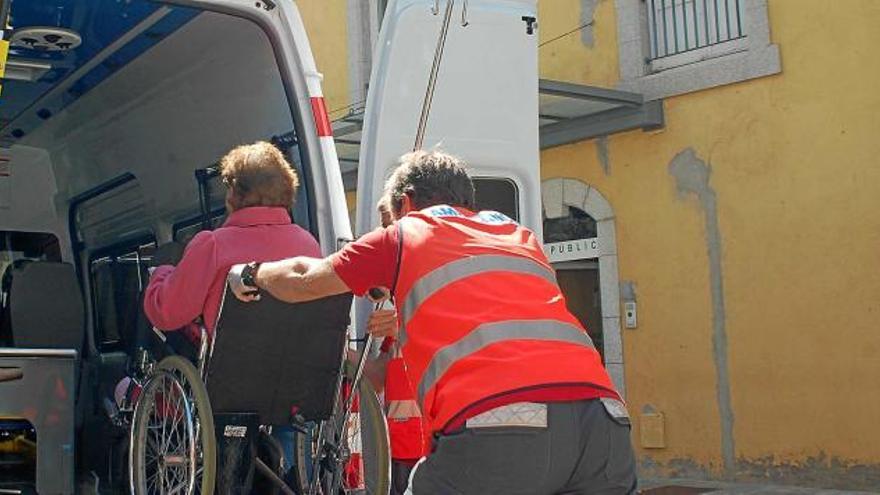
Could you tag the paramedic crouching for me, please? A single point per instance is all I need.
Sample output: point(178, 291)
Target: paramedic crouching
point(507, 378)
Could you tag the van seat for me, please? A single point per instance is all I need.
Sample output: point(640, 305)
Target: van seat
point(46, 307)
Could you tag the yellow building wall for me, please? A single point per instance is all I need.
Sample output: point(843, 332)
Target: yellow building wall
point(326, 23)
point(351, 203)
point(794, 175)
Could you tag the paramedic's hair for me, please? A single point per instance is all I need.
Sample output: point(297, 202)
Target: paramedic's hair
point(430, 178)
point(258, 175)
point(386, 216)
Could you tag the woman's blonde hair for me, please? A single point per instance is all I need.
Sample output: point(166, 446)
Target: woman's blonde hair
point(258, 175)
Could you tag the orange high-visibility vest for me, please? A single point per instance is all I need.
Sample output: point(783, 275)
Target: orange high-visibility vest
point(481, 314)
point(406, 427)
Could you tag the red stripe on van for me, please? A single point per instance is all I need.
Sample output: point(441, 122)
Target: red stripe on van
point(322, 120)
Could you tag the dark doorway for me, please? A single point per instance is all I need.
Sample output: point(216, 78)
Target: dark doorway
point(579, 281)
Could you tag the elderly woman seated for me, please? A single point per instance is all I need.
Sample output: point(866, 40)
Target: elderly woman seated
point(261, 188)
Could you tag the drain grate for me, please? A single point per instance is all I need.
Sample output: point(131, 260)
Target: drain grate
point(676, 490)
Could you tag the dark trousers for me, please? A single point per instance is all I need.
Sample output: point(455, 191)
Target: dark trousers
point(582, 450)
point(400, 476)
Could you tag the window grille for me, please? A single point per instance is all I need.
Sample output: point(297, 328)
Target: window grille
point(678, 26)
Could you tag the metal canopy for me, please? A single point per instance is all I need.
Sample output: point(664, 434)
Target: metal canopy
point(567, 113)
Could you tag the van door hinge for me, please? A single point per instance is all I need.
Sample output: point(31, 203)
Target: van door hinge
point(531, 24)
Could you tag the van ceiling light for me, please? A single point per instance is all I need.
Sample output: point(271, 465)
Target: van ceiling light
point(45, 39)
point(25, 70)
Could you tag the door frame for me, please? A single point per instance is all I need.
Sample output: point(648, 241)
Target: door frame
point(558, 192)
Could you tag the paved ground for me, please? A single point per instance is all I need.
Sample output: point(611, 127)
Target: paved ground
point(694, 487)
point(662, 487)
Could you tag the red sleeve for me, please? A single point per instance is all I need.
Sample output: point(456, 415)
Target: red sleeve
point(368, 262)
point(176, 295)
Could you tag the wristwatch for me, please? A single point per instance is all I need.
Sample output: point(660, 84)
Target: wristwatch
point(249, 273)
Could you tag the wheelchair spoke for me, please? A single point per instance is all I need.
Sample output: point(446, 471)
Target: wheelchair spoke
point(174, 433)
point(156, 482)
point(162, 411)
point(199, 470)
point(154, 412)
point(178, 484)
point(154, 449)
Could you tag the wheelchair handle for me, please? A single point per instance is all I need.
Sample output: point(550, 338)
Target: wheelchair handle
point(376, 293)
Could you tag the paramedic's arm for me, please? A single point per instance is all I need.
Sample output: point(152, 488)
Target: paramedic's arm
point(176, 295)
point(369, 262)
point(299, 279)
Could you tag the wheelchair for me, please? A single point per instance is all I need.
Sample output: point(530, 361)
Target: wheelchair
point(282, 364)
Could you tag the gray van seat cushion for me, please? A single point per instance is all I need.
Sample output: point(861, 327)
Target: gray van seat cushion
point(46, 307)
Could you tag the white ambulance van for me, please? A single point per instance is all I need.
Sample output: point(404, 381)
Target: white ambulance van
point(112, 116)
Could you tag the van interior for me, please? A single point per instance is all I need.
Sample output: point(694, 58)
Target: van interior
point(109, 145)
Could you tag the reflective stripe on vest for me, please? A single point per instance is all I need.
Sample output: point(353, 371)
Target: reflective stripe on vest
point(403, 409)
point(492, 333)
point(463, 268)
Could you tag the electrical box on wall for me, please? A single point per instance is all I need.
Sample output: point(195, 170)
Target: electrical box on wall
point(630, 318)
point(652, 430)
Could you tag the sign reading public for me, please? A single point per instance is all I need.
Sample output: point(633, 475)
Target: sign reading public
point(575, 249)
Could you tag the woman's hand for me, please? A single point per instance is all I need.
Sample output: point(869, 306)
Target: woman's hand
point(383, 323)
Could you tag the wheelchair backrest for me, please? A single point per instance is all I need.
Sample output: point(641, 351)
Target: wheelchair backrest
point(274, 358)
point(46, 307)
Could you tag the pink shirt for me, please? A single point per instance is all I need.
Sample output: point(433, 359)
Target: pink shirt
point(178, 295)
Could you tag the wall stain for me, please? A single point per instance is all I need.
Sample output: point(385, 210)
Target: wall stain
point(602, 154)
point(691, 176)
point(674, 468)
point(818, 471)
point(628, 290)
point(588, 8)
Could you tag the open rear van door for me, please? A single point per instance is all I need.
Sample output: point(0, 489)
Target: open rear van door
point(282, 23)
point(484, 107)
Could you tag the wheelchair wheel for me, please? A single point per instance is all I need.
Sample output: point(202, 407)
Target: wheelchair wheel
point(368, 431)
point(172, 448)
point(364, 455)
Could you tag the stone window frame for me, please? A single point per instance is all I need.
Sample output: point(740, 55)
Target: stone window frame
point(749, 58)
point(559, 192)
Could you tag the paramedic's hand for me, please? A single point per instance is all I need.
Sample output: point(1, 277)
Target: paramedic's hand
point(243, 292)
point(383, 323)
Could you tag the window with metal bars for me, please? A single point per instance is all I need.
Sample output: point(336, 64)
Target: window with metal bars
point(679, 26)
